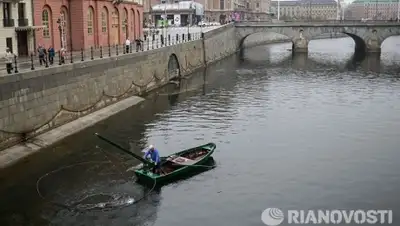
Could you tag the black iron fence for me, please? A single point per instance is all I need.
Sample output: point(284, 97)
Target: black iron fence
point(34, 61)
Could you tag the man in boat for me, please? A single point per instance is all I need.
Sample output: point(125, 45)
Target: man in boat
point(154, 156)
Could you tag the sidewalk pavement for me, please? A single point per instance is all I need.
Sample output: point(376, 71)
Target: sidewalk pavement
point(27, 63)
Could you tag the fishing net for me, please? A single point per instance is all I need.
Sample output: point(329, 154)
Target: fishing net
point(95, 191)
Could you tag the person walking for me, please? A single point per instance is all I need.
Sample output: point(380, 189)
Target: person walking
point(51, 55)
point(8, 56)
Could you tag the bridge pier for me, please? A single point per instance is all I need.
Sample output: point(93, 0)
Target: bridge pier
point(299, 60)
point(373, 46)
point(373, 43)
point(300, 45)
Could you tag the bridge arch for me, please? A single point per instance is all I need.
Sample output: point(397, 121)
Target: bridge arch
point(260, 38)
point(241, 41)
point(174, 70)
point(360, 45)
point(393, 40)
point(367, 37)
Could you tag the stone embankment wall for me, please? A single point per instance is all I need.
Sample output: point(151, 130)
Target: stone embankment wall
point(36, 101)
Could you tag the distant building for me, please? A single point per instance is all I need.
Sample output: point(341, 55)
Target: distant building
point(16, 28)
point(221, 11)
point(372, 9)
point(83, 24)
point(178, 14)
point(306, 9)
point(227, 10)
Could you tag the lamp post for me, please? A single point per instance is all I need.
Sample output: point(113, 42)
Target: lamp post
point(376, 9)
point(398, 10)
point(279, 9)
point(165, 22)
point(342, 11)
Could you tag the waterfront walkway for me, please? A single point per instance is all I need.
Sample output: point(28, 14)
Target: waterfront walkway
point(151, 42)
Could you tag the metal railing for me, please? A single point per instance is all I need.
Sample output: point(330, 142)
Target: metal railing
point(34, 62)
point(8, 22)
point(22, 22)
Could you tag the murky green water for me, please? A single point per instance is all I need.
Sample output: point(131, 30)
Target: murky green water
point(304, 132)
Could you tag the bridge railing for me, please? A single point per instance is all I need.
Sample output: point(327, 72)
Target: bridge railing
point(321, 21)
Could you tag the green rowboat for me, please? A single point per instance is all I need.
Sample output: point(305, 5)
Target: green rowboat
point(173, 167)
point(177, 165)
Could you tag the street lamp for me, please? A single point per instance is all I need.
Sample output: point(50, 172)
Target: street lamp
point(342, 11)
point(279, 9)
point(165, 21)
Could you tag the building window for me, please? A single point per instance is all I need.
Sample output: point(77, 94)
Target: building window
point(115, 18)
point(6, 11)
point(104, 20)
point(45, 22)
point(257, 5)
point(221, 4)
point(125, 21)
point(90, 21)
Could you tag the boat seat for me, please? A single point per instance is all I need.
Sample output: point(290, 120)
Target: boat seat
point(182, 161)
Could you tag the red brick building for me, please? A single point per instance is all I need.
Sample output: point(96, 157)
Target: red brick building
point(86, 23)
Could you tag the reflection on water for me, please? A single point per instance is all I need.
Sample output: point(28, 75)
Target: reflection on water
point(302, 131)
point(335, 54)
point(82, 179)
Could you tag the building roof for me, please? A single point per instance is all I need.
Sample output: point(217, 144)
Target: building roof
point(183, 5)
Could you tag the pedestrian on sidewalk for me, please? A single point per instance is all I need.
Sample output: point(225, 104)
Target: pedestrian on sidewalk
point(139, 44)
point(51, 55)
point(127, 45)
point(63, 53)
point(42, 55)
point(9, 56)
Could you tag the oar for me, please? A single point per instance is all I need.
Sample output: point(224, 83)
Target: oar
point(123, 149)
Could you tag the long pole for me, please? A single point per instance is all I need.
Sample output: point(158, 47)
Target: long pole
point(165, 20)
point(376, 10)
point(279, 9)
point(398, 10)
point(122, 149)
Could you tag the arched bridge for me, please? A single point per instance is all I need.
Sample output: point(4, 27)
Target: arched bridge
point(368, 37)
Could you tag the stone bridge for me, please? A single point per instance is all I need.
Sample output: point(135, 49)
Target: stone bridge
point(368, 37)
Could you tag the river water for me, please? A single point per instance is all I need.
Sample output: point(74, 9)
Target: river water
point(292, 132)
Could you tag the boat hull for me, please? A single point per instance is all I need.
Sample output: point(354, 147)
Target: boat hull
point(145, 176)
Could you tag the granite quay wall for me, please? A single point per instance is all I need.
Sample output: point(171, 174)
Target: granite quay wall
point(36, 101)
point(220, 43)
